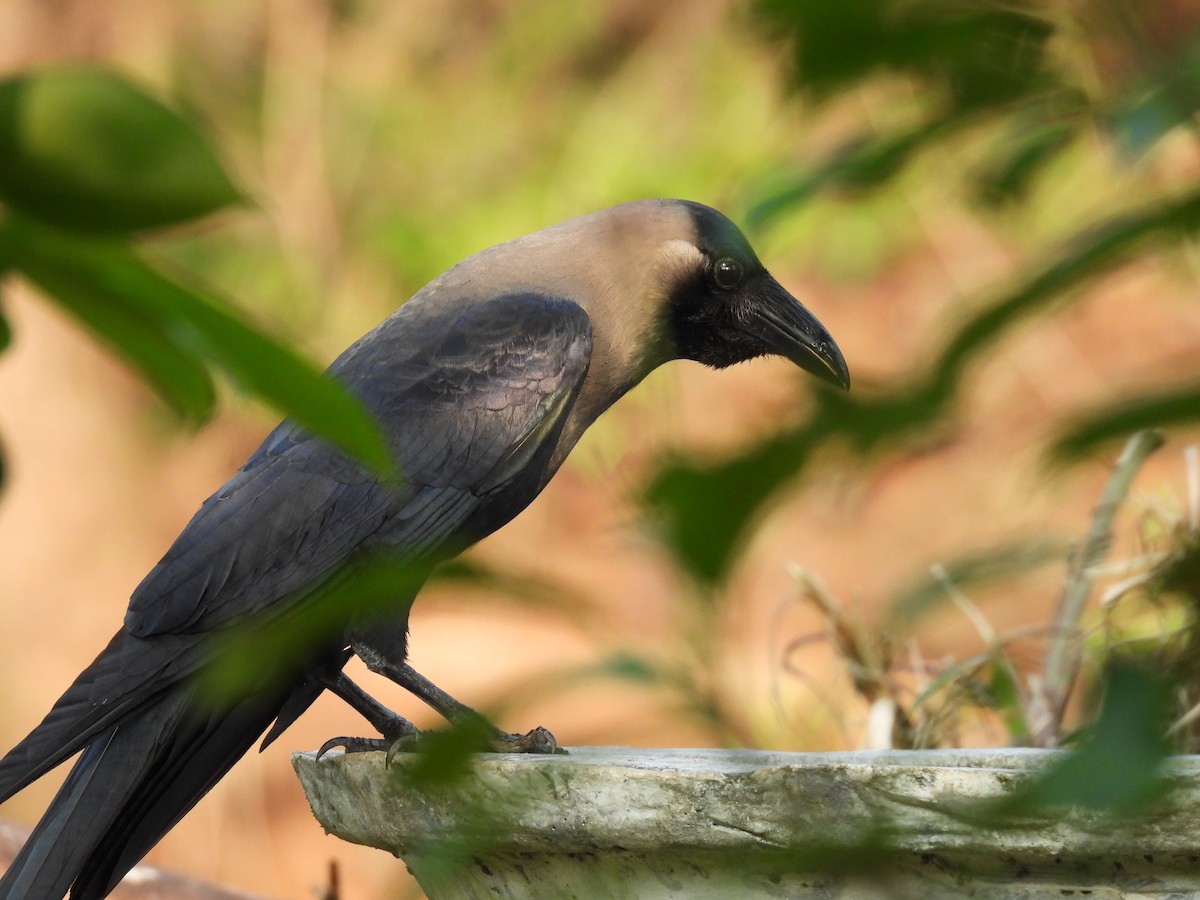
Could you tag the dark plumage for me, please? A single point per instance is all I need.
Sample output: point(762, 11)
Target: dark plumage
point(483, 383)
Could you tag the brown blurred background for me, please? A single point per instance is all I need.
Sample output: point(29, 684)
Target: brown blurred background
point(384, 141)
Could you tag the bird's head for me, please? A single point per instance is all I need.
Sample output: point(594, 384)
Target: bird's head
point(660, 280)
point(721, 306)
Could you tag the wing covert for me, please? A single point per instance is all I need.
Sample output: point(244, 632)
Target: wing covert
point(471, 398)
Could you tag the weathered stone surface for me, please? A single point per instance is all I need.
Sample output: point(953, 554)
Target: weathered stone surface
point(622, 823)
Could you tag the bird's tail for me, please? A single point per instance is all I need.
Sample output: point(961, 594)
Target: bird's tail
point(69, 832)
point(139, 773)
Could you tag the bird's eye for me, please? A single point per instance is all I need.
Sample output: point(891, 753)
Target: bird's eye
point(727, 273)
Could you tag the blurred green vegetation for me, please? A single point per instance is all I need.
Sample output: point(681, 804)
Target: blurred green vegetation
point(1003, 97)
point(976, 76)
point(828, 129)
point(87, 161)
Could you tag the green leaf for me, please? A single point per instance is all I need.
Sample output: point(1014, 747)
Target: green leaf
point(444, 757)
point(159, 323)
point(1117, 768)
point(976, 55)
point(1176, 407)
point(866, 162)
point(5, 328)
point(704, 508)
point(1091, 254)
point(628, 666)
point(263, 367)
point(82, 287)
point(1005, 692)
point(1025, 153)
point(84, 149)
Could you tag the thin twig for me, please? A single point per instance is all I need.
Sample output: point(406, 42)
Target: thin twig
point(1062, 656)
point(964, 604)
point(1133, 564)
point(810, 585)
point(1184, 721)
point(1121, 588)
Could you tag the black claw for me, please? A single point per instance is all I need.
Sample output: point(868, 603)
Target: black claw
point(403, 744)
point(353, 745)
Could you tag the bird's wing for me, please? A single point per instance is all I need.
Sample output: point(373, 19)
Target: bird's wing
point(468, 399)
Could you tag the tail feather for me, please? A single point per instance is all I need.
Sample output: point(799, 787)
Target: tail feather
point(149, 754)
point(86, 805)
point(191, 760)
point(127, 675)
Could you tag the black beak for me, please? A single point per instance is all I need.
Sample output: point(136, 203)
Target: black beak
point(779, 321)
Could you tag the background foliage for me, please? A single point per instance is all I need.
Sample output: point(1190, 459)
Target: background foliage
point(993, 206)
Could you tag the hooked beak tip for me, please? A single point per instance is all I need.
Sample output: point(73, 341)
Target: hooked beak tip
point(790, 330)
point(835, 370)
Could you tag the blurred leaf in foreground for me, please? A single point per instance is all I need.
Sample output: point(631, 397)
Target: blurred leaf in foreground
point(252, 653)
point(1117, 767)
point(444, 757)
point(5, 340)
point(74, 277)
point(967, 61)
point(171, 332)
point(86, 150)
point(627, 666)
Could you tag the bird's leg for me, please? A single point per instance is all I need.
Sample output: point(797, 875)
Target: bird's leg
point(383, 646)
point(401, 736)
point(539, 740)
point(397, 732)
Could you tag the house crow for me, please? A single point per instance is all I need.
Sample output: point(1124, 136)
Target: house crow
point(482, 382)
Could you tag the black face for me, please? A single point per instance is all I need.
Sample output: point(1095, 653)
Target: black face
point(732, 310)
point(707, 310)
